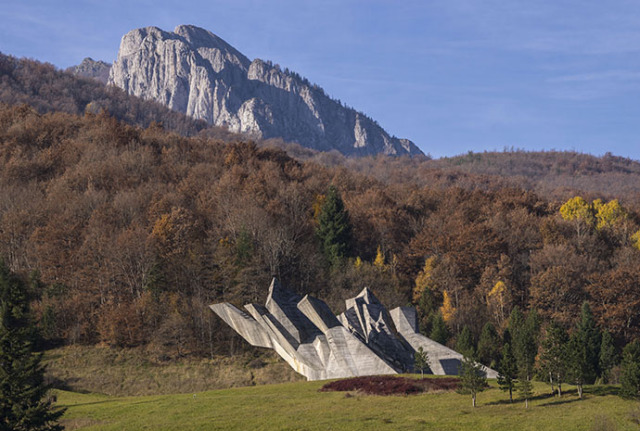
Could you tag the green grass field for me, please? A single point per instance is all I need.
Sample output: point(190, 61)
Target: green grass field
point(300, 406)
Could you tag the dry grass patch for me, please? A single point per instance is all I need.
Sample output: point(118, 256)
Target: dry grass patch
point(133, 372)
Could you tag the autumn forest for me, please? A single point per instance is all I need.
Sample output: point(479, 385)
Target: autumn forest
point(127, 228)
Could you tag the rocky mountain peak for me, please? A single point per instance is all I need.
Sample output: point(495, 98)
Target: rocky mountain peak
point(193, 71)
point(90, 68)
point(200, 38)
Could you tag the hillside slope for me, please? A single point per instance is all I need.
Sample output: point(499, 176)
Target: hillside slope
point(47, 89)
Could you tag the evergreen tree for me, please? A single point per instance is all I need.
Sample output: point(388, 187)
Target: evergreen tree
point(24, 401)
point(525, 387)
point(421, 360)
point(334, 228)
point(584, 350)
point(464, 343)
point(439, 329)
point(244, 247)
point(554, 356)
point(608, 356)
point(577, 367)
point(630, 375)
point(590, 338)
point(472, 378)
point(516, 321)
point(508, 376)
point(489, 346)
point(525, 348)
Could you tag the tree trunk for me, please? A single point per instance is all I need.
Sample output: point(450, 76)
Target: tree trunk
point(473, 396)
point(580, 391)
point(526, 403)
point(553, 391)
point(559, 388)
point(510, 395)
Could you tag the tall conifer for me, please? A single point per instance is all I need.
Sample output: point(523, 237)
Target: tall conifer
point(334, 228)
point(508, 376)
point(24, 401)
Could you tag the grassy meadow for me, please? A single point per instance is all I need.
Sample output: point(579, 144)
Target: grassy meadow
point(300, 406)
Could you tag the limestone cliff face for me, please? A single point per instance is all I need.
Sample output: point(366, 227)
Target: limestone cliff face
point(193, 71)
point(89, 68)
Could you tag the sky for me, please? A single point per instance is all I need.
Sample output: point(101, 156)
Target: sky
point(451, 75)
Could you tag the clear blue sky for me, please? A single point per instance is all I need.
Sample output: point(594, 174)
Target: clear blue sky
point(451, 75)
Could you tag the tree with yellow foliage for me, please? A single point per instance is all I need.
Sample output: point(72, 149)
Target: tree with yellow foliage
point(357, 263)
point(609, 214)
point(496, 300)
point(379, 260)
point(448, 310)
point(424, 280)
point(598, 214)
point(636, 239)
point(581, 212)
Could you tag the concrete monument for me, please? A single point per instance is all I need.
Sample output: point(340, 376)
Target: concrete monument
point(364, 340)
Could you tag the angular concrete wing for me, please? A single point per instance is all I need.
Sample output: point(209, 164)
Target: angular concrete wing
point(364, 340)
point(244, 325)
point(442, 360)
point(369, 319)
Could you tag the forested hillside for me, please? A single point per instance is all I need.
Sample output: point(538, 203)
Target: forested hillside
point(41, 85)
point(556, 175)
point(553, 173)
point(128, 233)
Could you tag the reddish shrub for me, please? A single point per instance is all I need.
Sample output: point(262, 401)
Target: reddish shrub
point(391, 385)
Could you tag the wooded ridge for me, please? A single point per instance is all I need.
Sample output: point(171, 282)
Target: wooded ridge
point(128, 230)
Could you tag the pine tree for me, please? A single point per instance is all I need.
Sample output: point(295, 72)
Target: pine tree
point(525, 349)
point(525, 387)
point(472, 378)
point(421, 360)
point(439, 330)
point(630, 375)
point(584, 350)
point(489, 345)
point(590, 338)
point(508, 376)
point(608, 356)
point(554, 356)
point(334, 229)
point(24, 401)
point(464, 343)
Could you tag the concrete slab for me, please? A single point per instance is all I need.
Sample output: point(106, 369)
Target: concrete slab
point(364, 340)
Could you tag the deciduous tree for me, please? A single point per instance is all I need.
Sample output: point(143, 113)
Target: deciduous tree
point(421, 360)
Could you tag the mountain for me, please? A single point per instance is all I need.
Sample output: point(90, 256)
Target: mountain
point(90, 68)
point(195, 72)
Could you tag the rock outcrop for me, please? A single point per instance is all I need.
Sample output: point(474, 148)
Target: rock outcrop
point(193, 71)
point(364, 340)
point(90, 68)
